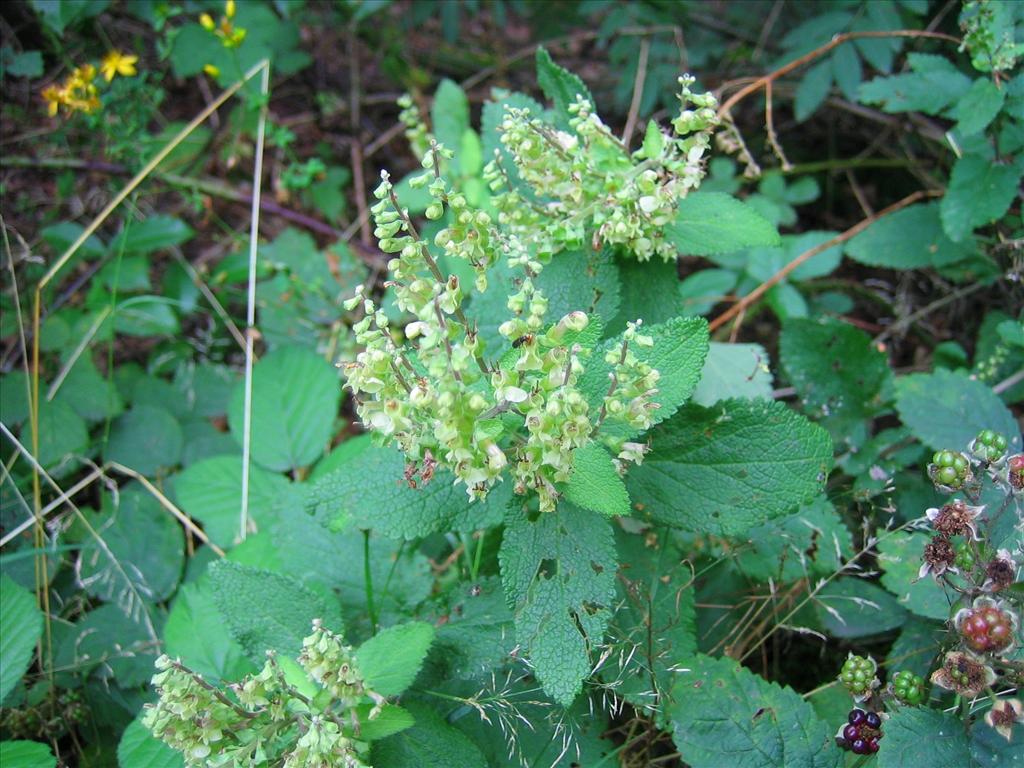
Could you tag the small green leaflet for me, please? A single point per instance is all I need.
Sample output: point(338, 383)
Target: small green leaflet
point(145, 438)
point(853, 607)
point(912, 238)
point(391, 659)
point(980, 191)
point(559, 577)
point(595, 485)
point(196, 633)
point(733, 371)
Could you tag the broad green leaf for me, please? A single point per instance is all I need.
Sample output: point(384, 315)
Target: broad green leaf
point(478, 636)
point(680, 346)
point(24, 64)
point(916, 646)
point(655, 623)
point(926, 737)
point(61, 235)
point(909, 239)
point(649, 293)
point(146, 316)
point(92, 396)
point(369, 491)
point(595, 485)
point(109, 644)
point(390, 660)
point(559, 577)
point(835, 370)
point(933, 84)
point(947, 409)
point(143, 550)
point(295, 397)
point(61, 432)
point(813, 90)
point(21, 624)
point(14, 397)
point(980, 192)
point(266, 610)
point(59, 14)
point(813, 542)
point(733, 371)
point(704, 289)
point(196, 633)
point(728, 468)
point(430, 743)
point(211, 492)
point(979, 106)
point(584, 280)
point(724, 714)
point(139, 748)
point(26, 754)
point(561, 86)
point(154, 233)
point(853, 607)
point(899, 557)
point(707, 223)
point(146, 439)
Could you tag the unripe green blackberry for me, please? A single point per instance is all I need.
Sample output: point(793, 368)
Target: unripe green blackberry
point(858, 675)
point(908, 687)
point(989, 446)
point(964, 559)
point(949, 470)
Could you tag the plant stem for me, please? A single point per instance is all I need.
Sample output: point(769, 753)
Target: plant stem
point(368, 583)
point(475, 570)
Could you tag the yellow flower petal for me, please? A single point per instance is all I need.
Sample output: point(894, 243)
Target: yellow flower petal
point(229, 9)
point(207, 21)
point(211, 70)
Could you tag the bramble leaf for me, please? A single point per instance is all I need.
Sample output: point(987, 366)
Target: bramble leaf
point(295, 396)
point(909, 239)
point(21, 624)
point(980, 192)
point(923, 736)
point(946, 409)
point(724, 714)
point(139, 748)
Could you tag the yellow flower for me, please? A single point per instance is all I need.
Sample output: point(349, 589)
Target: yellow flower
point(207, 21)
point(54, 97)
point(117, 63)
point(229, 9)
point(82, 76)
point(211, 70)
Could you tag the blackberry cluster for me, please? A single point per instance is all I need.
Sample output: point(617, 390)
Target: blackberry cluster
point(986, 628)
point(862, 732)
point(908, 687)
